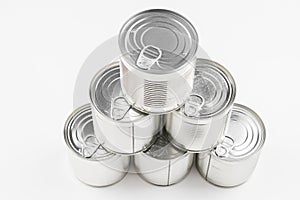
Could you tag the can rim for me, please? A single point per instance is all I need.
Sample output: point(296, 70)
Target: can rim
point(191, 29)
point(186, 153)
point(78, 111)
point(181, 147)
point(178, 159)
point(136, 152)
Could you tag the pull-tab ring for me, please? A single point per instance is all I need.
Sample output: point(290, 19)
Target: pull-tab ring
point(228, 142)
point(222, 150)
point(193, 105)
point(89, 146)
point(119, 108)
point(148, 56)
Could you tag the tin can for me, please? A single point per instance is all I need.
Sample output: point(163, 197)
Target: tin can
point(163, 164)
point(233, 161)
point(158, 58)
point(91, 164)
point(200, 123)
point(119, 127)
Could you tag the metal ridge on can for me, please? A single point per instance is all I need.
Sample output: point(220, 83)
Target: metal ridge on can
point(92, 164)
point(233, 160)
point(163, 164)
point(198, 125)
point(158, 58)
point(119, 127)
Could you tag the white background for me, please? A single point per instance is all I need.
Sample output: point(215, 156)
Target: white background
point(43, 46)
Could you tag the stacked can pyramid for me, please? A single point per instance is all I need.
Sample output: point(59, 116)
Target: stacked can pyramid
point(161, 108)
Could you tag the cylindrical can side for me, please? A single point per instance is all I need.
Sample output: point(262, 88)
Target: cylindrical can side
point(202, 162)
point(226, 173)
point(126, 138)
point(163, 164)
point(145, 132)
point(154, 93)
point(152, 170)
point(99, 173)
point(163, 172)
point(180, 169)
point(112, 136)
point(198, 135)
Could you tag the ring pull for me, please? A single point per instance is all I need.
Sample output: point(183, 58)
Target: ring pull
point(223, 149)
point(89, 146)
point(148, 57)
point(193, 105)
point(119, 108)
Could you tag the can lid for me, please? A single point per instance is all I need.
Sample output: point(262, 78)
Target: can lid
point(162, 149)
point(159, 41)
point(213, 91)
point(245, 135)
point(107, 96)
point(79, 135)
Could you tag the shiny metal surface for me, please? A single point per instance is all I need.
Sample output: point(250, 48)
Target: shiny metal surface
point(166, 30)
point(233, 161)
point(163, 164)
point(200, 123)
point(90, 162)
point(120, 128)
point(158, 58)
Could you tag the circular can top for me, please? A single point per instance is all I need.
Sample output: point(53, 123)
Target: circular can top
point(245, 135)
point(107, 97)
point(79, 135)
point(162, 149)
point(158, 41)
point(213, 91)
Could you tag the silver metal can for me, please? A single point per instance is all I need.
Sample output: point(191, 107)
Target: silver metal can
point(200, 123)
point(233, 161)
point(158, 58)
point(163, 164)
point(119, 127)
point(90, 162)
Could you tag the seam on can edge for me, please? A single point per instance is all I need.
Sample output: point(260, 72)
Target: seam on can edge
point(208, 167)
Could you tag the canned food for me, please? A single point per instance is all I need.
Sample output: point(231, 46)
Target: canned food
point(163, 164)
point(232, 161)
point(119, 127)
point(158, 58)
point(90, 162)
point(198, 125)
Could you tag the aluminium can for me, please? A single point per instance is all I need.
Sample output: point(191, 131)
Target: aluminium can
point(91, 164)
point(163, 164)
point(158, 59)
point(199, 124)
point(118, 126)
point(232, 161)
